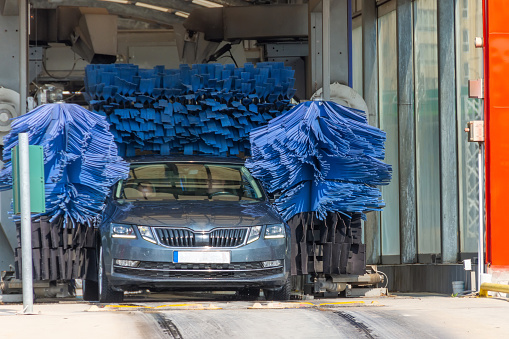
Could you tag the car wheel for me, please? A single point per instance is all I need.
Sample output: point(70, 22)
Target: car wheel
point(90, 290)
point(248, 294)
point(106, 293)
point(282, 293)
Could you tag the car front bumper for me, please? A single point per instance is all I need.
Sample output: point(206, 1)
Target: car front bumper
point(157, 269)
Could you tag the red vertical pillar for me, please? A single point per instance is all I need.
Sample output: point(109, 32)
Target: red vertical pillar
point(496, 77)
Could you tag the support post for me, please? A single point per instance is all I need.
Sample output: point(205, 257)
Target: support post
point(23, 55)
point(326, 50)
point(370, 83)
point(319, 32)
point(480, 251)
point(449, 210)
point(406, 121)
point(26, 224)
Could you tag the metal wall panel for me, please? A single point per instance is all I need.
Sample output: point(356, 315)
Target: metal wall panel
point(258, 22)
point(6, 253)
point(9, 78)
point(9, 67)
point(150, 56)
point(425, 278)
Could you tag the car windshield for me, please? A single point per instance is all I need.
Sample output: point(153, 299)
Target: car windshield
point(189, 181)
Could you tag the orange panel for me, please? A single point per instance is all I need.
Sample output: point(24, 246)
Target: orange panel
point(499, 188)
point(499, 66)
point(498, 10)
point(496, 37)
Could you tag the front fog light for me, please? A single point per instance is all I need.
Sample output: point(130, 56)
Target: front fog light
point(127, 263)
point(254, 233)
point(146, 233)
point(122, 231)
point(275, 231)
point(272, 263)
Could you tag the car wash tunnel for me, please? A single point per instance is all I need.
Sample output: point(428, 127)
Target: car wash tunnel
point(270, 155)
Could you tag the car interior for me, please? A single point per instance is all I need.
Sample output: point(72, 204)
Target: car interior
point(189, 181)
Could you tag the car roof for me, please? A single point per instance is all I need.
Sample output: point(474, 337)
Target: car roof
point(185, 158)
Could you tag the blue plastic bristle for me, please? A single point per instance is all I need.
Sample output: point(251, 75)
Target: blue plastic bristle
point(80, 159)
point(209, 98)
point(321, 157)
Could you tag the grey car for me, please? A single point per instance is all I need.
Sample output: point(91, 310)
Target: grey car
point(191, 223)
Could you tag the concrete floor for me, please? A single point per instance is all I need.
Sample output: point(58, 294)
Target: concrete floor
point(217, 316)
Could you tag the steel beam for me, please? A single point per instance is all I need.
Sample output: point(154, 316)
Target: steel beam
point(326, 49)
point(23, 55)
point(370, 89)
point(338, 50)
point(407, 189)
point(314, 78)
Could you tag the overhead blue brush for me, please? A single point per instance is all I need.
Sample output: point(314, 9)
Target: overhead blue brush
point(80, 159)
point(205, 109)
point(321, 157)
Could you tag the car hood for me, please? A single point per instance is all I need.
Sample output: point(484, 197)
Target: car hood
point(204, 215)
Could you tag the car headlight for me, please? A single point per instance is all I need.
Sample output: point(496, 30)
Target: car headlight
point(122, 231)
point(146, 233)
point(254, 234)
point(275, 231)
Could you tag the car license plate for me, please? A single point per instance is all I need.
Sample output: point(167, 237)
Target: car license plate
point(201, 257)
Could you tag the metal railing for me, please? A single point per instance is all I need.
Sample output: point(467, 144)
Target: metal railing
point(489, 287)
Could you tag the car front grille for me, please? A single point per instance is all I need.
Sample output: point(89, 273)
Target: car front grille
point(230, 237)
point(163, 270)
point(181, 237)
point(175, 237)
